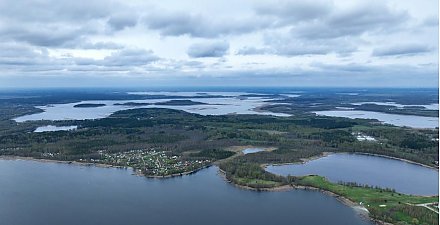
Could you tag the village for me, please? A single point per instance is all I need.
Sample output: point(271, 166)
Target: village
point(152, 163)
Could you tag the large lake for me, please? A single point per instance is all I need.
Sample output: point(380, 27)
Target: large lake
point(52, 193)
point(394, 119)
point(365, 169)
point(210, 106)
point(433, 106)
point(216, 103)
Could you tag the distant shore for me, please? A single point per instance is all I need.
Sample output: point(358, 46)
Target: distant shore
point(397, 158)
point(102, 165)
point(325, 154)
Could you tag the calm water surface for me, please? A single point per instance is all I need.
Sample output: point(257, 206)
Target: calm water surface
point(430, 106)
point(372, 170)
point(50, 128)
point(394, 119)
point(50, 193)
point(252, 150)
point(212, 106)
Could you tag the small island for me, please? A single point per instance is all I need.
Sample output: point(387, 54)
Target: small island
point(181, 103)
point(133, 104)
point(89, 105)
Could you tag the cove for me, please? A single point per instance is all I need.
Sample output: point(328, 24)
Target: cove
point(404, 177)
point(56, 193)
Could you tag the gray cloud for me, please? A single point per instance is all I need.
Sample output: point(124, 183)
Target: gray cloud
point(52, 23)
point(337, 34)
point(27, 59)
point(196, 25)
point(431, 21)
point(97, 45)
point(320, 29)
point(251, 50)
point(40, 35)
point(55, 35)
point(123, 58)
point(295, 11)
point(402, 49)
point(295, 49)
point(346, 68)
point(57, 11)
point(19, 55)
point(122, 20)
point(209, 49)
point(132, 57)
point(24, 59)
point(288, 45)
point(353, 22)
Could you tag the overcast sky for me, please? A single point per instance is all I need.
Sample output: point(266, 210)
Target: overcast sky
point(384, 43)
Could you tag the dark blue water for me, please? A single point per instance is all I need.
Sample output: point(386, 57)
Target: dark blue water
point(404, 177)
point(252, 150)
point(50, 193)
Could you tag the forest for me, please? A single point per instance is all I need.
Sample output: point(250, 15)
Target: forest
point(165, 142)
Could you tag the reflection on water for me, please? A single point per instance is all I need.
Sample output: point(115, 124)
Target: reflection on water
point(404, 177)
point(430, 106)
point(252, 150)
point(54, 128)
point(394, 119)
point(51, 194)
point(216, 106)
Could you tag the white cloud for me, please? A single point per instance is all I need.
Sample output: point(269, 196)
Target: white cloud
point(112, 38)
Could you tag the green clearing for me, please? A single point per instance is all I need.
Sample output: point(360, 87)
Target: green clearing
point(385, 205)
point(257, 182)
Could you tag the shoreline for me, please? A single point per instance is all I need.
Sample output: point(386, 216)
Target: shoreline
point(174, 174)
point(359, 208)
point(362, 211)
point(302, 160)
point(396, 158)
point(285, 187)
point(102, 165)
point(325, 154)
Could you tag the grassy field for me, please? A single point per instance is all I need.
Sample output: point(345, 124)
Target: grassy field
point(253, 182)
point(384, 205)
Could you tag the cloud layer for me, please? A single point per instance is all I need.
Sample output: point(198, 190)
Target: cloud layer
point(253, 42)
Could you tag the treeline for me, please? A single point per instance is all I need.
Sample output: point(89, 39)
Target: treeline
point(215, 154)
point(417, 214)
point(236, 172)
point(355, 184)
point(404, 138)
